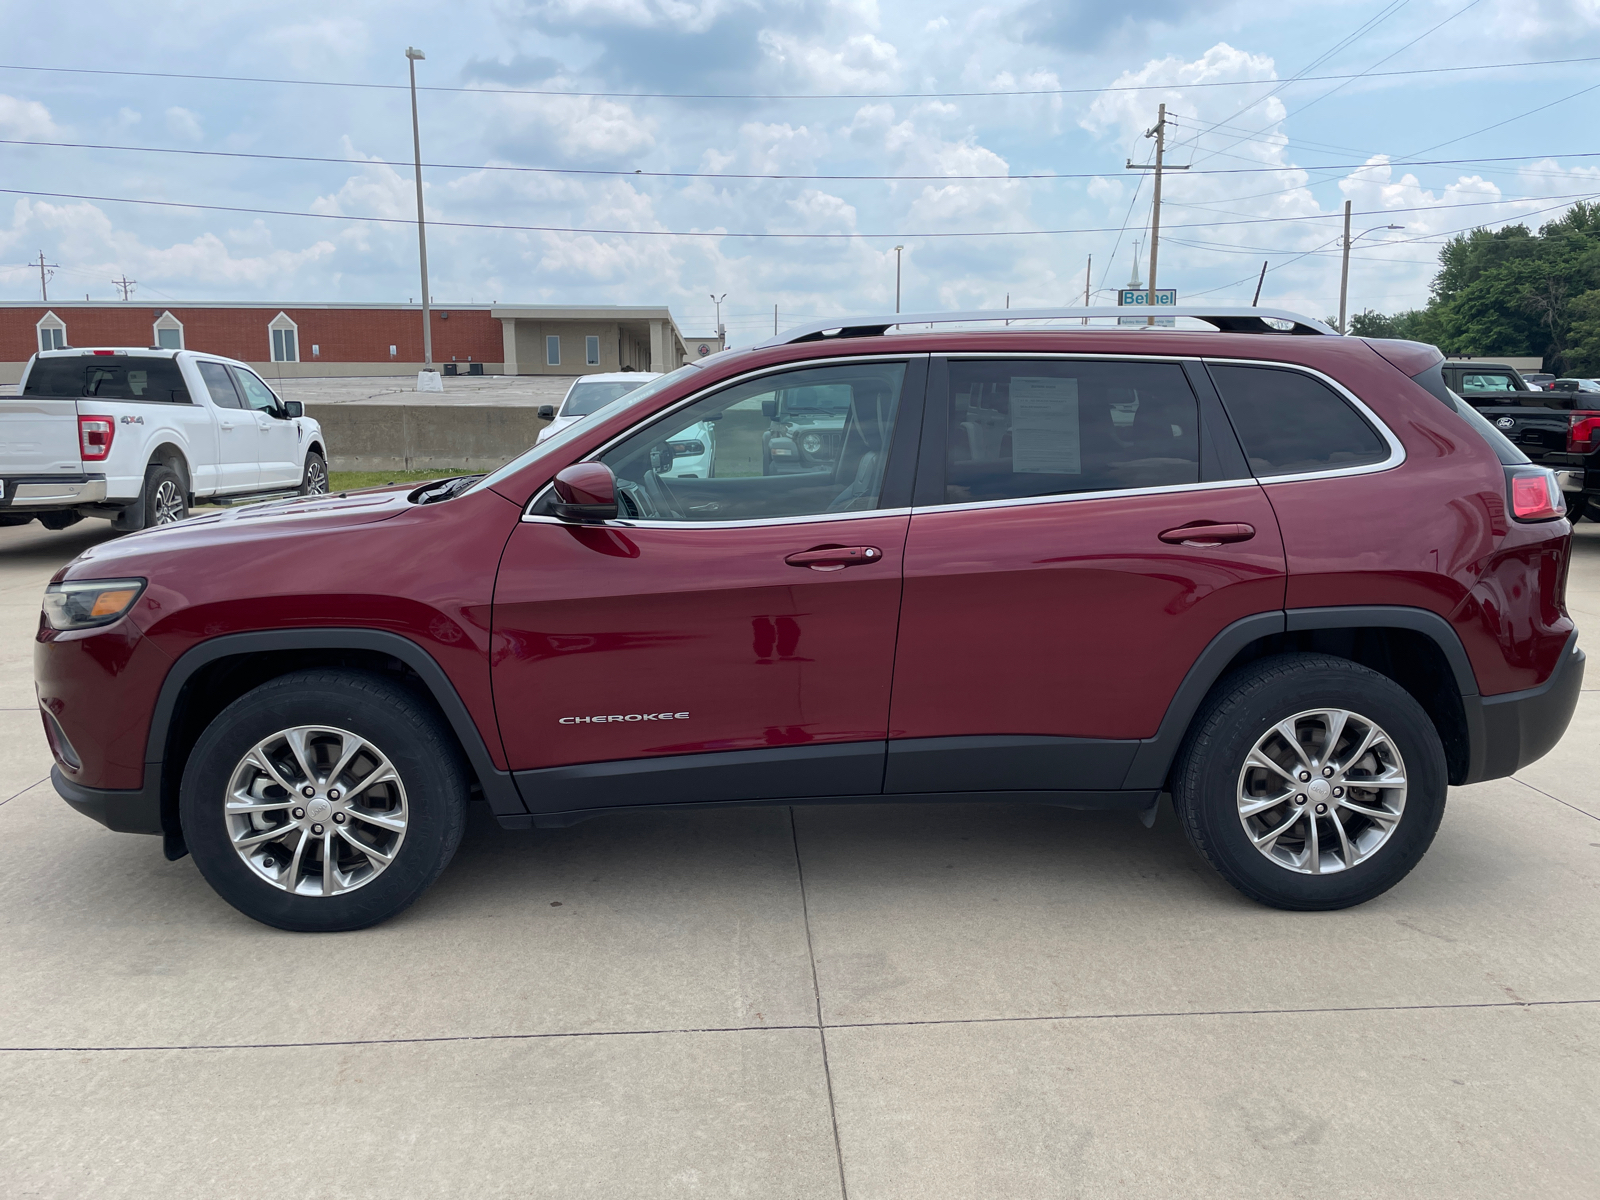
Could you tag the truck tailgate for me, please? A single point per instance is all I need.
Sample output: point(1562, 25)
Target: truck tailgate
point(38, 437)
point(1538, 424)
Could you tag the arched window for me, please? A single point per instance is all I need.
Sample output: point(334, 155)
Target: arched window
point(52, 332)
point(169, 332)
point(285, 339)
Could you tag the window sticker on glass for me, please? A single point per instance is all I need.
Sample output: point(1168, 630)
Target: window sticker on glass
point(1046, 439)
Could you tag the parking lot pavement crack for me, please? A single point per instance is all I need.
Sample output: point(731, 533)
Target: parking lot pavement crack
point(816, 992)
point(1557, 799)
point(936, 1022)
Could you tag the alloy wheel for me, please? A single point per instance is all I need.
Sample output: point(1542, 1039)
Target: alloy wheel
point(316, 478)
point(316, 811)
point(1322, 791)
point(168, 503)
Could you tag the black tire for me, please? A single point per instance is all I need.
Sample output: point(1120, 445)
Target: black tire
point(164, 500)
point(1240, 711)
point(383, 712)
point(1576, 507)
point(314, 480)
point(1593, 509)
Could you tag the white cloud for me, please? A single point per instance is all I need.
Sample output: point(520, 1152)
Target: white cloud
point(861, 63)
point(25, 119)
point(183, 123)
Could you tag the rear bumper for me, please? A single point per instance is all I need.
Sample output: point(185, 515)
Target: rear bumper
point(120, 811)
point(1519, 728)
point(25, 492)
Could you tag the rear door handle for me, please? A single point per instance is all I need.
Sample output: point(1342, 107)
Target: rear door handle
point(1205, 533)
point(834, 558)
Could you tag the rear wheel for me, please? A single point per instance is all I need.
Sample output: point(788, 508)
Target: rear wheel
point(1311, 782)
point(324, 800)
point(164, 500)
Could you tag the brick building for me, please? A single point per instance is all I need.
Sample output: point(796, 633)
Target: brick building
point(361, 339)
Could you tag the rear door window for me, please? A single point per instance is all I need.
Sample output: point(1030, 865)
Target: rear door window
point(220, 385)
point(1044, 427)
point(108, 377)
point(1486, 382)
point(1291, 423)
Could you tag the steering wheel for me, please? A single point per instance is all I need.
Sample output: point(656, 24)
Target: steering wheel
point(660, 499)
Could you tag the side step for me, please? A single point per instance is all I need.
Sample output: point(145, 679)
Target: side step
point(249, 498)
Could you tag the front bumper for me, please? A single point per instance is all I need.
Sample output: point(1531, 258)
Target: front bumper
point(35, 492)
point(136, 811)
point(1518, 728)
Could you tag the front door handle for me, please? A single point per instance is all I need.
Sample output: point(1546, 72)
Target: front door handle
point(1207, 533)
point(834, 558)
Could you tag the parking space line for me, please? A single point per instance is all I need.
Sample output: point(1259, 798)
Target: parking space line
point(931, 1023)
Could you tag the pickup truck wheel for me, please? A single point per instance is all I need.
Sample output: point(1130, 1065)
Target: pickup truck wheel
point(1311, 782)
point(315, 481)
point(165, 500)
point(324, 800)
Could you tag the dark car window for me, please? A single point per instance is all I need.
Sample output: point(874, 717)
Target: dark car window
point(1290, 423)
point(108, 377)
point(758, 465)
point(1043, 427)
point(220, 385)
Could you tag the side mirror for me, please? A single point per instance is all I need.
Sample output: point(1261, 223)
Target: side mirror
point(293, 409)
point(547, 412)
point(769, 409)
point(586, 494)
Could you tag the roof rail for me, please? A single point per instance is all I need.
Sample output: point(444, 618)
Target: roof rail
point(1227, 320)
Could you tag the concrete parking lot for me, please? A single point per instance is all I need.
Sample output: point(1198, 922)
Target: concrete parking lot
point(873, 1001)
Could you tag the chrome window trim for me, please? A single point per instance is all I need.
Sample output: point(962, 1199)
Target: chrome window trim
point(802, 364)
point(1397, 450)
point(1074, 497)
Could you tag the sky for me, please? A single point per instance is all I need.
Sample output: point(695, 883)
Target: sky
point(613, 133)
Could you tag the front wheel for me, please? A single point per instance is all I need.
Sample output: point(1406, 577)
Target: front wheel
point(324, 800)
point(1311, 782)
point(315, 480)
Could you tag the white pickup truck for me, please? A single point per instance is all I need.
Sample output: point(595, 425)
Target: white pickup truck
point(139, 435)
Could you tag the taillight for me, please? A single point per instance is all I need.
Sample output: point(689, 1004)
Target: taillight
point(1535, 494)
point(94, 437)
point(1584, 432)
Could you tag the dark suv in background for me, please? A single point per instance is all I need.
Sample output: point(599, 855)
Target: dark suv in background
point(1287, 578)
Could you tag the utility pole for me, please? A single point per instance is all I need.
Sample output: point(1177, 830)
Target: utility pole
point(1088, 270)
point(126, 285)
point(413, 55)
point(1344, 267)
point(774, 320)
point(897, 250)
point(1160, 135)
point(1260, 279)
point(45, 277)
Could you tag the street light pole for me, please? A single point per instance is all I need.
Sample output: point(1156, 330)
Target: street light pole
point(1344, 266)
point(717, 300)
point(412, 57)
point(897, 250)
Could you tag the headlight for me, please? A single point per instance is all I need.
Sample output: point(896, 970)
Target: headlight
point(83, 603)
point(687, 449)
point(811, 443)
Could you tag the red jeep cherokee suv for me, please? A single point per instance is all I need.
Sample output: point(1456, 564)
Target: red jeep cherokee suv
point(1285, 576)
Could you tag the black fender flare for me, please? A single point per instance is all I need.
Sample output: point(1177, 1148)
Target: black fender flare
point(1155, 755)
point(499, 788)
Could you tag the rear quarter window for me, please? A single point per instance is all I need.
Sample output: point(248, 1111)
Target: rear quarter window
point(108, 377)
point(1290, 423)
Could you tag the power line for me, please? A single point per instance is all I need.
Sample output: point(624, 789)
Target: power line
point(698, 233)
point(620, 173)
point(557, 92)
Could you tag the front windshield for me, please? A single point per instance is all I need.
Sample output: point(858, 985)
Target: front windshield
point(589, 396)
point(581, 428)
